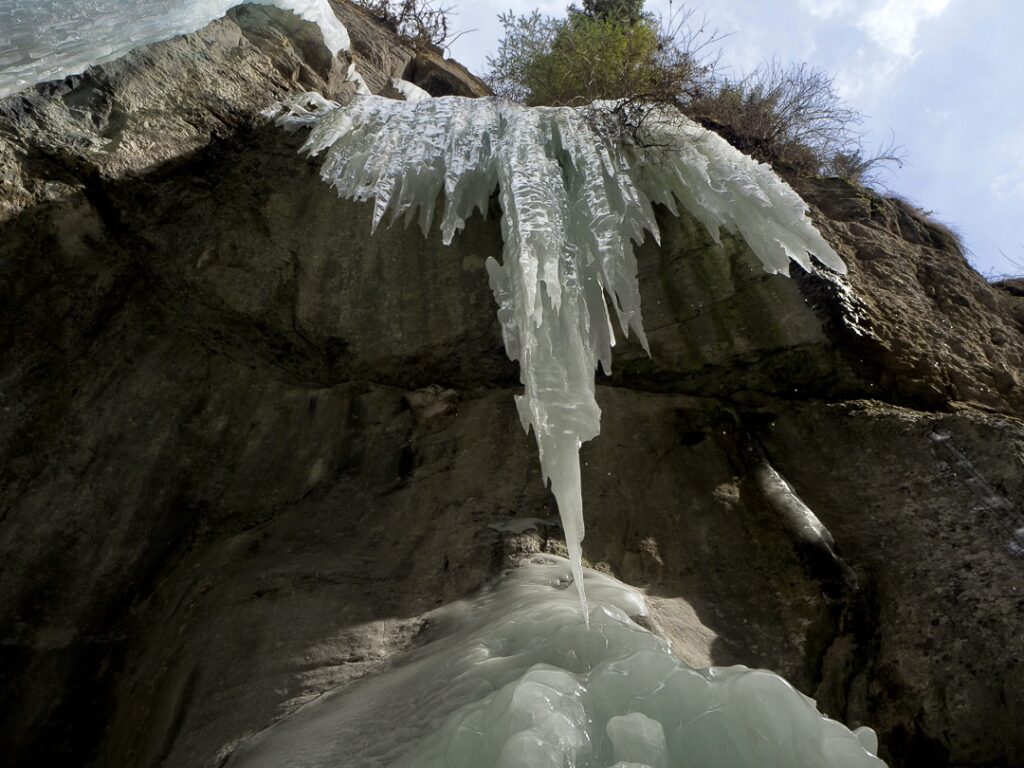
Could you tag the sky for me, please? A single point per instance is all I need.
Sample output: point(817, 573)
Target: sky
point(944, 78)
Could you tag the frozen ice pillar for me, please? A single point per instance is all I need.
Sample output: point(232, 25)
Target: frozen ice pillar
point(574, 202)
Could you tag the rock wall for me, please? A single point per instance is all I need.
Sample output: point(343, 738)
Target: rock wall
point(246, 447)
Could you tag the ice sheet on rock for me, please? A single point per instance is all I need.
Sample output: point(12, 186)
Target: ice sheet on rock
point(513, 678)
point(49, 39)
point(353, 76)
point(574, 202)
point(409, 91)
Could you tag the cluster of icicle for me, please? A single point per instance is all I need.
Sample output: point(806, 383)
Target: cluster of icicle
point(48, 39)
point(574, 201)
point(513, 679)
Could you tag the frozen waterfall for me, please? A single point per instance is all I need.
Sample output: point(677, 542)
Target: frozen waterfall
point(48, 39)
point(524, 674)
point(574, 202)
point(512, 678)
point(574, 199)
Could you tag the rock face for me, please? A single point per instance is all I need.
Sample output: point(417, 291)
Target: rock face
point(246, 447)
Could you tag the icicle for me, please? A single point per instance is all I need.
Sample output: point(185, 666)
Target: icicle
point(574, 203)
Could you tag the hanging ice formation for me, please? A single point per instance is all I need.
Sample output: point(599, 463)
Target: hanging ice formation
point(47, 39)
point(574, 203)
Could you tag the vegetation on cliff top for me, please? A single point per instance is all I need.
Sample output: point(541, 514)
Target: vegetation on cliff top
point(790, 116)
point(614, 49)
point(423, 23)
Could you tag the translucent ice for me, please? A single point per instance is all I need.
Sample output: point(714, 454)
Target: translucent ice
point(574, 202)
point(48, 39)
point(514, 678)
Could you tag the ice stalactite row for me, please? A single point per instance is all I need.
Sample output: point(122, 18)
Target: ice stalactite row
point(574, 202)
point(48, 39)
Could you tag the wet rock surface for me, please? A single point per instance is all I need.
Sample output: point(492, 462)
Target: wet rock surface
point(246, 447)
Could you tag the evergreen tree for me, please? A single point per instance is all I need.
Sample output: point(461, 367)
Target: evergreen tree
point(620, 11)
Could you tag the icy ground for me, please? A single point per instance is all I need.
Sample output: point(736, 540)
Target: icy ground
point(513, 678)
point(49, 39)
point(574, 199)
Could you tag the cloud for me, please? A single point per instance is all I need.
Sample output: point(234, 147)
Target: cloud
point(1009, 185)
point(826, 9)
point(890, 24)
point(893, 25)
point(867, 73)
point(890, 32)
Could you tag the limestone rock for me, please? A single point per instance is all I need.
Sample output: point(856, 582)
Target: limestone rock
point(246, 447)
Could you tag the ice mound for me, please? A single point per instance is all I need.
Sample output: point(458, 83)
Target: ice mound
point(574, 201)
point(515, 679)
point(49, 39)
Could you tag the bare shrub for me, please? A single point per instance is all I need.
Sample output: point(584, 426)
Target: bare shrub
point(424, 23)
point(939, 233)
point(792, 115)
point(865, 168)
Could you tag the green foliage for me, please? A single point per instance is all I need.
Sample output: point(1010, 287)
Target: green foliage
point(622, 11)
point(611, 50)
point(526, 38)
point(591, 55)
point(593, 58)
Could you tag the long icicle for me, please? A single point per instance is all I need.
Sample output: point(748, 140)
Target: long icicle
point(574, 203)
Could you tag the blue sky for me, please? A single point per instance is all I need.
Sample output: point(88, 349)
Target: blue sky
point(944, 77)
